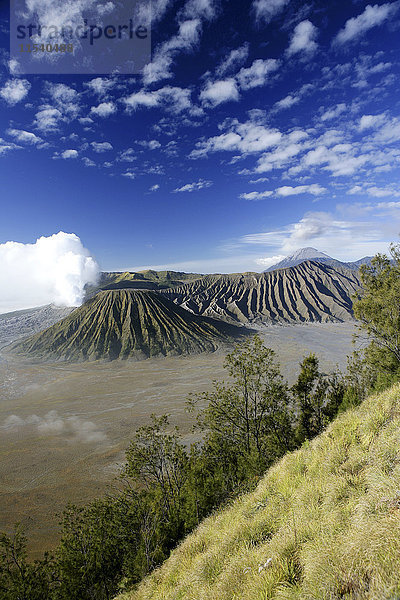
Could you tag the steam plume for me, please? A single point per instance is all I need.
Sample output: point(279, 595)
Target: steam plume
point(54, 270)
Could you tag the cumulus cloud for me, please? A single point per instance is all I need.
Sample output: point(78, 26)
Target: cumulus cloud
point(73, 428)
point(15, 90)
point(373, 16)
point(69, 154)
point(173, 99)
point(24, 137)
point(54, 269)
point(219, 92)
point(266, 10)
point(194, 187)
point(100, 85)
point(371, 121)
point(105, 109)
point(258, 74)
point(48, 119)
point(303, 39)
point(334, 112)
point(100, 147)
point(150, 145)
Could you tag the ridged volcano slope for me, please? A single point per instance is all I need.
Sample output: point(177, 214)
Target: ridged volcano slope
point(128, 323)
point(310, 291)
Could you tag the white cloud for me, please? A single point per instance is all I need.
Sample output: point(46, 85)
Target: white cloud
point(245, 138)
point(61, 93)
point(234, 60)
point(65, 98)
point(270, 261)
point(173, 99)
point(256, 195)
point(129, 175)
point(371, 121)
point(100, 85)
point(73, 428)
point(154, 188)
point(314, 189)
point(101, 146)
point(257, 75)
point(190, 25)
point(286, 102)
point(343, 239)
point(54, 269)
point(15, 90)
point(7, 146)
point(150, 145)
point(373, 16)
point(24, 137)
point(194, 187)
point(303, 39)
point(69, 154)
point(266, 10)
point(47, 119)
point(14, 66)
point(152, 12)
point(334, 112)
point(105, 109)
point(219, 92)
point(88, 162)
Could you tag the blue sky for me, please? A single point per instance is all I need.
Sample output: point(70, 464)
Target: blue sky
point(262, 126)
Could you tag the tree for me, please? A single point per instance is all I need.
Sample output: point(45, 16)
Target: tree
point(248, 421)
point(318, 398)
point(377, 310)
point(20, 579)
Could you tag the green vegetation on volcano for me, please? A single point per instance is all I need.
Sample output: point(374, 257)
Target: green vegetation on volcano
point(128, 324)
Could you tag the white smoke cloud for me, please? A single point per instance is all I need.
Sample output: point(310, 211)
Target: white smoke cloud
point(72, 428)
point(54, 270)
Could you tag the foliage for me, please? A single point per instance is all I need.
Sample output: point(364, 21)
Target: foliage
point(318, 398)
point(245, 425)
point(323, 523)
point(248, 422)
point(378, 312)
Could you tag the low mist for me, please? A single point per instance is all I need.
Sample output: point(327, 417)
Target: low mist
point(53, 270)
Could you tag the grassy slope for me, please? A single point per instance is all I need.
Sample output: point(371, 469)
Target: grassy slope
point(326, 519)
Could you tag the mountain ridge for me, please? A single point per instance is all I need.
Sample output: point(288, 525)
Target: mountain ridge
point(128, 324)
point(310, 291)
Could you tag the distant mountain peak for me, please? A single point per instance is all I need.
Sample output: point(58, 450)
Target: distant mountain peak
point(308, 252)
point(300, 256)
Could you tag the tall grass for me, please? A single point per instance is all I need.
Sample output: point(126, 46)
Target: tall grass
point(324, 523)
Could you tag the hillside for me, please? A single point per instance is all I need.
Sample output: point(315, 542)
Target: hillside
point(22, 323)
point(308, 292)
point(324, 523)
point(144, 280)
point(127, 323)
